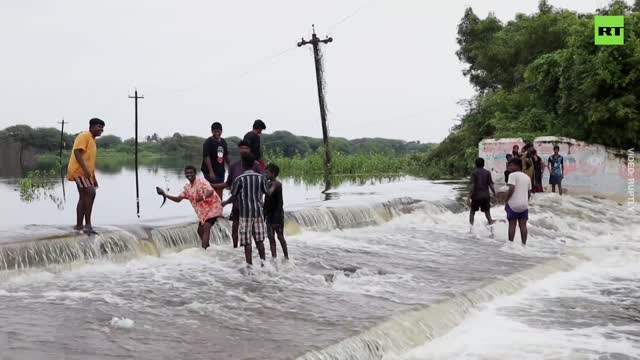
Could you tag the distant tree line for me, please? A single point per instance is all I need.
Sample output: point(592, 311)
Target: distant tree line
point(279, 143)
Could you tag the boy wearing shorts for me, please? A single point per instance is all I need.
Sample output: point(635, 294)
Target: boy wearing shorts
point(517, 206)
point(273, 210)
point(247, 191)
point(556, 169)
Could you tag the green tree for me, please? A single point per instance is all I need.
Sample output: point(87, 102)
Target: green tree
point(108, 141)
point(541, 74)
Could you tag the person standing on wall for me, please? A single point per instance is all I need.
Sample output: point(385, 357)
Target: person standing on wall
point(273, 210)
point(215, 155)
point(247, 193)
point(236, 169)
point(205, 202)
point(81, 170)
point(556, 169)
point(253, 138)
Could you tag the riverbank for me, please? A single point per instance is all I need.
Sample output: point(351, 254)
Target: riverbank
point(310, 165)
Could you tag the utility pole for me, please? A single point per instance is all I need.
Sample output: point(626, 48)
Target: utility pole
point(61, 138)
point(315, 41)
point(136, 97)
point(64, 193)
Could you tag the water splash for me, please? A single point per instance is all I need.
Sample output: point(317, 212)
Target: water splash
point(123, 244)
point(414, 328)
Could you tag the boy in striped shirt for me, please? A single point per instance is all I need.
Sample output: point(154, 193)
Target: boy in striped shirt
point(248, 191)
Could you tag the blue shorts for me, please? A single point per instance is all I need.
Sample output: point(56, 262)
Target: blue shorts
point(555, 179)
point(512, 215)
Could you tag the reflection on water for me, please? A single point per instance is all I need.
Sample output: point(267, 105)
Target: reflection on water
point(339, 179)
point(116, 196)
point(330, 184)
point(39, 185)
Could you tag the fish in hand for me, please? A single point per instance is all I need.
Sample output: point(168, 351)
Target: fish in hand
point(164, 196)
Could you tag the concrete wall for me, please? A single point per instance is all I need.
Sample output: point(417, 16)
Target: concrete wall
point(589, 168)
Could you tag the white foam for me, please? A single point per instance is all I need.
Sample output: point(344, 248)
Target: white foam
point(491, 333)
point(79, 295)
point(9, 293)
point(122, 323)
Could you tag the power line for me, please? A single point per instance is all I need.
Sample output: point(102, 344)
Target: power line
point(274, 56)
point(351, 15)
point(242, 74)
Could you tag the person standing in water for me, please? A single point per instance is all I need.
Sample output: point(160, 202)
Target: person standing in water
point(517, 206)
point(506, 171)
point(248, 189)
point(205, 201)
point(253, 139)
point(515, 151)
point(556, 169)
point(215, 155)
point(527, 162)
point(481, 182)
point(274, 211)
point(538, 167)
point(236, 169)
point(81, 170)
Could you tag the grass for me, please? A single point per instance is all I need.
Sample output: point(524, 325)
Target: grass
point(342, 164)
point(110, 160)
point(38, 184)
point(309, 166)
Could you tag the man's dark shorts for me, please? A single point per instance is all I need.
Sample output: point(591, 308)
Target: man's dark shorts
point(483, 204)
point(218, 178)
point(512, 215)
point(276, 218)
point(555, 180)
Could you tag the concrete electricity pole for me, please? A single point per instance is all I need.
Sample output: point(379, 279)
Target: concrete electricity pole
point(61, 138)
point(136, 97)
point(315, 42)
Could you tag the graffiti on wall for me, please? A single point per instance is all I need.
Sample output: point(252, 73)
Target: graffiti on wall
point(589, 167)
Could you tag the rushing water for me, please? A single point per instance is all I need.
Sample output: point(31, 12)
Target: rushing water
point(388, 269)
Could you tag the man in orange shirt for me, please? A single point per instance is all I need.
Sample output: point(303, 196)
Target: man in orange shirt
point(81, 170)
point(203, 198)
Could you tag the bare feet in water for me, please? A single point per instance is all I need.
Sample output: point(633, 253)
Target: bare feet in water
point(89, 231)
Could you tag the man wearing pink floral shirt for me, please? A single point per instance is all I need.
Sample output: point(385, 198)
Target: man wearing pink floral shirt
point(205, 202)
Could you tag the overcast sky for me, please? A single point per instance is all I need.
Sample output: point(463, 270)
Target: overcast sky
point(390, 72)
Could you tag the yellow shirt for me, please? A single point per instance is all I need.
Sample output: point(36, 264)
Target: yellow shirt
point(86, 142)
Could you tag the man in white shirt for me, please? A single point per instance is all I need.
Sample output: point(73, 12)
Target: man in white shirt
point(517, 206)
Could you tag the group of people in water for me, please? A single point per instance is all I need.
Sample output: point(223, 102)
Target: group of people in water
point(256, 194)
point(523, 176)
